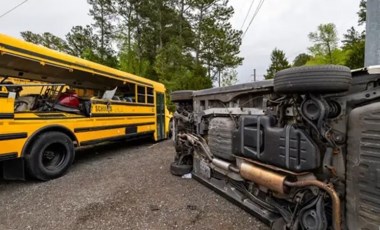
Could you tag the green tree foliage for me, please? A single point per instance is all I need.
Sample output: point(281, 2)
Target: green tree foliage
point(184, 44)
point(129, 61)
point(326, 51)
point(127, 16)
point(103, 13)
point(46, 39)
point(217, 43)
point(325, 44)
point(83, 43)
point(29, 36)
point(279, 62)
point(301, 59)
point(338, 56)
point(229, 77)
point(354, 41)
point(362, 13)
point(354, 46)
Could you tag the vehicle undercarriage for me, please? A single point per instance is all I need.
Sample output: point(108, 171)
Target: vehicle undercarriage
point(299, 152)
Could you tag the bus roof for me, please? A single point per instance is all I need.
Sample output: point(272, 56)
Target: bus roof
point(22, 59)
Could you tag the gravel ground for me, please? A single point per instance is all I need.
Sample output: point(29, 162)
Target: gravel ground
point(119, 186)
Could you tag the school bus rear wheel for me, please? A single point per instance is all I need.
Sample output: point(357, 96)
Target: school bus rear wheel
point(51, 155)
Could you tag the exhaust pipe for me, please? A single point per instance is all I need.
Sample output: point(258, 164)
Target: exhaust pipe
point(336, 212)
point(281, 183)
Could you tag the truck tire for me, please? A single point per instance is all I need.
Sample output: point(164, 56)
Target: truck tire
point(50, 156)
point(313, 79)
point(180, 170)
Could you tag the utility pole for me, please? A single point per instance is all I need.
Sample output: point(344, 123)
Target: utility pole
point(372, 42)
point(219, 78)
point(254, 75)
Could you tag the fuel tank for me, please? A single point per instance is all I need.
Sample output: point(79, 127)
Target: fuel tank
point(287, 147)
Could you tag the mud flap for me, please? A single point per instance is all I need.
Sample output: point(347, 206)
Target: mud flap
point(14, 169)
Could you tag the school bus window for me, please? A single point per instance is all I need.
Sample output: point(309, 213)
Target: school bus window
point(141, 94)
point(150, 95)
point(127, 92)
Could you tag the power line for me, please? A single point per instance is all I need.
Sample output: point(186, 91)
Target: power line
point(17, 6)
point(246, 16)
point(254, 15)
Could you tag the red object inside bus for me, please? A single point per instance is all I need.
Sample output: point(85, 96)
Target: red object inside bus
point(69, 99)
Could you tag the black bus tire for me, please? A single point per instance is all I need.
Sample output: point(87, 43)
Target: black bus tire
point(50, 156)
point(313, 79)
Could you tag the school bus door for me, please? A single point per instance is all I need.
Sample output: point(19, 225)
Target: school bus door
point(160, 111)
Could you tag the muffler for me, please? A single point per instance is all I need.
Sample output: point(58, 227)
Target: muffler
point(264, 177)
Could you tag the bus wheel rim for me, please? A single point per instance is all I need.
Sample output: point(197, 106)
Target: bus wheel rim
point(54, 156)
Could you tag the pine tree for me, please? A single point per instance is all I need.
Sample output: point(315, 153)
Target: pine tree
point(46, 39)
point(362, 13)
point(279, 62)
point(217, 43)
point(301, 59)
point(103, 13)
point(82, 42)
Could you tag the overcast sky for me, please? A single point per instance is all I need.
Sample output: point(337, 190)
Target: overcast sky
point(284, 24)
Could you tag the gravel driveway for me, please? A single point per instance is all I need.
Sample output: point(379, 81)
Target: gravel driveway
point(119, 186)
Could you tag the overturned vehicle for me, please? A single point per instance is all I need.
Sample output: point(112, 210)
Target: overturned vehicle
point(299, 152)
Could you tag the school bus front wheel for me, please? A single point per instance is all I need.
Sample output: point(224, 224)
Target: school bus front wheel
point(51, 155)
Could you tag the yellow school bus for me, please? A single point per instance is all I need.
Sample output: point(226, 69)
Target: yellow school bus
point(78, 103)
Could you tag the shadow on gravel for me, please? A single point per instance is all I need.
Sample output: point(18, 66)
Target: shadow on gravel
point(92, 153)
point(108, 149)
